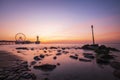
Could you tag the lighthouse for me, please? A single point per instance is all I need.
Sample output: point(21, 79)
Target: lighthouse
point(37, 41)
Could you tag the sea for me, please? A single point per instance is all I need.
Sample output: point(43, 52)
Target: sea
point(67, 68)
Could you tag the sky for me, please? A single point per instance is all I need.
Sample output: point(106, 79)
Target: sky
point(61, 21)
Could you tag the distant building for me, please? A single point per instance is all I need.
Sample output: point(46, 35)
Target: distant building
point(37, 41)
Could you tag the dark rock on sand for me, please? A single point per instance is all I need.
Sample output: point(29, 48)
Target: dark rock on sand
point(58, 64)
point(84, 60)
point(32, 48)
point(90, 47)
point(73, 57)
point(102, 50)
point(113, 49)
point(104, 58)
point(88, 55)
point(54, 57)
point(59, 50)
point(22, 48)
point(18, 51)
point(58, 53)
point(45, 67)
point(63, 48)
point(42, 56)
point(33, 63)
point(37, 58)
point(65, 52)
point(102, 61)
point(53, 47)
point(45, 51)
point(107, 56)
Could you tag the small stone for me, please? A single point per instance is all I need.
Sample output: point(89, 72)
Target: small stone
point(58, 54)
point(54, 57)
point(58, 64)
point(32, 48)
point(37, 58)
point(73, 57)
point(84, 60)
point(33, 63)
point(45, 67)
point(42, 56)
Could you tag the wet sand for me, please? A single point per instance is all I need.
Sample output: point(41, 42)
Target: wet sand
point(13, 67)
point(8, 59)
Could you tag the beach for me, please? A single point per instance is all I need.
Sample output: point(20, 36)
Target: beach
point(13, 67)
point(7, 59)
point(57, 62)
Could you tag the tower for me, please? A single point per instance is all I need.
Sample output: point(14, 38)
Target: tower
point(93, 35)
point(37, 38)
point(37, 41)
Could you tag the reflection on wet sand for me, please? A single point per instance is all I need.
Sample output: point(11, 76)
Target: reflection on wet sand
point(62, 63)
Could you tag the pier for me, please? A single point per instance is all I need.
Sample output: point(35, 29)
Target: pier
point(5, 42)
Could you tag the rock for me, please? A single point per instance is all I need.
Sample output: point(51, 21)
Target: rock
point(90, 47)
point(58, 50)
point(42, 56)
point(18, 51)
point(102, 50)
point(58, 64)
point(73, 57)
point(115, 65)
point(88, 55)
point(65, 52)
point(54, 57)
point(84, 60)
point(63, 48)
point(32, 48)
point(33, 63)
point(37, 58)
point(23, 48)
point(103, 61)
point(76, 55)
point(58, 54)
point(53, 47)
point(113, 49)
point(103, 58)
point(45, 67)
point(107, 56)
point(45, 51)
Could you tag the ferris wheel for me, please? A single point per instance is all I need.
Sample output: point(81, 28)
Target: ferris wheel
point(20, 37)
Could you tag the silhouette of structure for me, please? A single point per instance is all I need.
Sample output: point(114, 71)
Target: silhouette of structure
point(6, 42)
point(37, 41)
point(20, 38)
point(93, 35)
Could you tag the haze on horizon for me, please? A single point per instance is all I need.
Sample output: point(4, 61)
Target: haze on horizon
point(61, 20)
